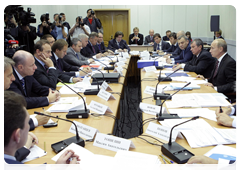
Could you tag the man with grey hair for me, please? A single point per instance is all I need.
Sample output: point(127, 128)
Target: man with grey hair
point(186, 54)
point(202, 61)
point(8, 72)
point(149, 38)
point(74, 57)
point(91, 49)
point(26, 85)
point(223, 76)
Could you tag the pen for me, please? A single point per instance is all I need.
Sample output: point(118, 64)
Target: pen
point(166, 159)
point(44, 147)
point(220, 109)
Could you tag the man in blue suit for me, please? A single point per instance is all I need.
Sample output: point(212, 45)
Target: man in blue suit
point(118, 44)
point(16, 129)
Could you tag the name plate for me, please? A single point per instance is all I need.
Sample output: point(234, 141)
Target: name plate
point(120, 63)
point(122, 59)
point(149, 69)
point(105, 95)
point(151, 109)
point(106, 86)
point(119, 70)
point(112, 143)
point(99, 108)
point(84, 131)
point(151, 90)
point(125, 55)
point(161, 132)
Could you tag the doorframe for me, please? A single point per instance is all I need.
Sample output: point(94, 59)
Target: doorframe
point(114, 10)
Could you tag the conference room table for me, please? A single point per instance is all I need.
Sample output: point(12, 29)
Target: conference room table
point(104, 124)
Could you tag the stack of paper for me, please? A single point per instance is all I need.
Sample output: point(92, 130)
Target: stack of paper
point(221, 151)
point(35, 152)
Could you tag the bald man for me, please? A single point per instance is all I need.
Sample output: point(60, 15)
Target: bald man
point(26, 85)
point(149, 38)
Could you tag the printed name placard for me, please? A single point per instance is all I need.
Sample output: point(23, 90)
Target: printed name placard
point(149, 69)
point(151, 90)
point(122, 59)
point(112, 143)
point(84, 131)
point(120, 63)
point(119, 69)
point(125, 55)
point(105, 95)
point(161, 132)
point(151, 109)
point(99, 108)
point(106, 86)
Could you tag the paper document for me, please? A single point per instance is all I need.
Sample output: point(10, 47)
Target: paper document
point(35, 152)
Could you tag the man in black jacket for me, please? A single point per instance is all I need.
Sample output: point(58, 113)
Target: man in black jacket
point(92, 21)
point(202, 61)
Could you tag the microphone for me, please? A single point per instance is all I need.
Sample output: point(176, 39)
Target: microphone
point(162, 95)
point(97, 81)
point(105, 68)
point(59, 146)
point(175, 151)
point(157, 67)
point(111, 63)
point(77, 113)
point(169, 116)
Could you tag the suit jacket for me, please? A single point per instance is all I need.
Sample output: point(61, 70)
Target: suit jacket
point(13, 165)
point(44, 77)
point(233, 165)
point(88, 50)
point(72, 59)
point(165, 38)
point(21, 154)
point(101, 48)
point(185, 56)
point(112, 45)
point(172, 48)
point(148, 40)
point(226, 75)
point(139, 42)
point(203, 64)
point(33, 91)
point(94, 25)
point(165, 46)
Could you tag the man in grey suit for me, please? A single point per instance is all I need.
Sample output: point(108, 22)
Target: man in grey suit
point(74, 57)
point(149, 40)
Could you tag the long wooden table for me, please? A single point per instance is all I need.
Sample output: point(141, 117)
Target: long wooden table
point(106, 124)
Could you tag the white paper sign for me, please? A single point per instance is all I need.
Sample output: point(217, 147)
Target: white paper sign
point(106, 86)
point(151, 90)
point(112, 143)
point(119, 70)
point(125, 55)
point(161, 132)
point(99, 108)
point(105, 95)
point(84, 131)
point(151, 109)
point(86, 82)
point(149, 69)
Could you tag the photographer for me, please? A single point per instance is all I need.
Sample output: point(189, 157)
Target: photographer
point(46, 27)
point(60, 30)
point(92, 21)
point(79, 28)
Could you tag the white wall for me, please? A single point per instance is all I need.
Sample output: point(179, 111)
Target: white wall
point(193, 18)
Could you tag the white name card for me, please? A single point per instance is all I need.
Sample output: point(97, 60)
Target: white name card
point(119, 70)
point(85, 82)
point(105, 95)
point(84, 131)
point(161, 132)
point(106, 86)
point(151, 90)
point(112, 143)
point(120, 63)
point(122, 59)
point(99, 108)
point(149, 69)
point(151, 109)
point(125, 55)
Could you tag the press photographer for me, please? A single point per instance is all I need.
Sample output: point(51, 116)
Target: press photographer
point(92, 21)
point(79, 28)
point(60, 30)
point(46, 27)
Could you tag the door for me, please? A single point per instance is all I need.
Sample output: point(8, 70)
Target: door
point(113, 21)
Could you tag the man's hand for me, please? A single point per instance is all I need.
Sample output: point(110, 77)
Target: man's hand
point(111, 52)
point(120, 50)
point(53, 96)
point(68, 157)
point(201, 160)
point(91, 61)
point(200, 76)
point(168, 60)
point(47, 61)
point(99, 55)
point(125, 50)
point(151, 43)
point(209, 84)
point(76, 79)
point(43, 119)
point(176, 67)
point(224, 119)
point(31, 141)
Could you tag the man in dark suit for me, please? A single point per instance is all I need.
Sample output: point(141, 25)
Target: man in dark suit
point(67, 72)
point(202, 61)
point(186, 54)
point(26, 85)
point(149, 39)
point(218, 34)
point(166, 37)
point(16, 129)
point(135, 37)
point(118, 44)
point(173, 40)
point(74, 56)
point(223, 77)
point(101, 47)
point(91, 49)
point(159, 45)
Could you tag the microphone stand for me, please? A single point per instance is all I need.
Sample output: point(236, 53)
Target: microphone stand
point(105, 68)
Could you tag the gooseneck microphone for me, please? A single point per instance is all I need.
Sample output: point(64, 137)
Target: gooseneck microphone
point(175, 151)
point(105, 68)
point(97, 81)
point(77, 113)
point(169, 116)
point(59, 146)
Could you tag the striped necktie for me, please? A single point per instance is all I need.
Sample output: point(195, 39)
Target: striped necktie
point(77, 55)
point(23, 86)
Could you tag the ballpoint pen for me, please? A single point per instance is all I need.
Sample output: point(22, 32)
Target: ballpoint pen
point(166, 159)
point(220, 109)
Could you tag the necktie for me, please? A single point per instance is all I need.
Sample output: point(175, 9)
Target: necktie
point(46, 68)
point(59, 65)
point(118, 44)
point(216, 69)
point(77, 55)
point(93, 50)
point(151, 39)
point(99, 47)
point(158, 47)
point(23, 86)
point(136, 41)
